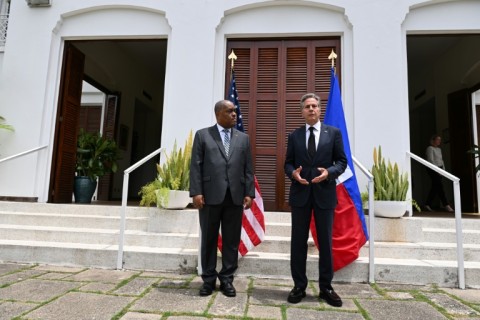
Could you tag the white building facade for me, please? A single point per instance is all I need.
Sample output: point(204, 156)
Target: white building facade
point(166, 61)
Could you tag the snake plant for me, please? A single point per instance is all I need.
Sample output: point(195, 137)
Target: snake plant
point(389, 183)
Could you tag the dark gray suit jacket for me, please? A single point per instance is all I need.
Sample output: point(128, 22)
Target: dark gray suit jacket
point(211, 171)
point(330, 155)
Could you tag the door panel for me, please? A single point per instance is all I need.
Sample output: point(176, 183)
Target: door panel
point(65, 145)
point(461, 140)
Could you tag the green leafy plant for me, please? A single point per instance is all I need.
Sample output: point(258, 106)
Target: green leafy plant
point(5, 126)
point(173, 174)
point(96, 156)
point(389, 183)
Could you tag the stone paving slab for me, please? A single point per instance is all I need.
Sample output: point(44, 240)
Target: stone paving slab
point(174, 300)
point(35, 290)
point(10, 310)
point(404, 310)
point(102, 275)
point(234, 306)
point(80, 305)
point(20, 276)
point(308, 314)
point(141, 316)
point(136, 287)
point(452, 306)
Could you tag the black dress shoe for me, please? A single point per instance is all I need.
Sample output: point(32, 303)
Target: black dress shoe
point(206, 289)
point(330, 297)
point(228, 289)
point(296, 295)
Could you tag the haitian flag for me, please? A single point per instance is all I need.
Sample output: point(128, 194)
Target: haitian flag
point(253, 222)
point(349, 232)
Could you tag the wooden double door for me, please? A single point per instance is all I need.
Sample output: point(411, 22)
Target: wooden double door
point(271, 77)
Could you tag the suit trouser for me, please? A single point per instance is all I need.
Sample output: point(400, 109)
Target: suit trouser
point(228, 216)
point(301, 217)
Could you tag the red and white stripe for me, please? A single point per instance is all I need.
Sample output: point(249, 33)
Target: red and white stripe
point(253, 225)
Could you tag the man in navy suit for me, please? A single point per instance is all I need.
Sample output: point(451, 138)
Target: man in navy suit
point(314, 159)
point(222, 185)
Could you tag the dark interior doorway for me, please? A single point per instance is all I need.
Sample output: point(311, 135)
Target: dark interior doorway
point(443, 72)
point(116, 68)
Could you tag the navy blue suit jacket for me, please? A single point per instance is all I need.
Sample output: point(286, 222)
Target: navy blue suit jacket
point(330, 155)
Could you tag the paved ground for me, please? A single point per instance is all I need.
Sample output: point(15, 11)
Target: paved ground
point(57, 293)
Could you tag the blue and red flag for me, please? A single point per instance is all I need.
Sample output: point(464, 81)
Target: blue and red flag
point(253, 221)
point(349, 228)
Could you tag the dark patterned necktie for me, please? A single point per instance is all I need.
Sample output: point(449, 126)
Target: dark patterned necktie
point(311, 143)
point(226, 141)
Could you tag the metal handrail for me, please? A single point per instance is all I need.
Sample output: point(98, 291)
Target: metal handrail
point(123, 209)
point(458, 213)
point(371, 221)
point(23, 153)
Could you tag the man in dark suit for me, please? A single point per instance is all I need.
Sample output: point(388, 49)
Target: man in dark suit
point(314, 159)
point(222, 185)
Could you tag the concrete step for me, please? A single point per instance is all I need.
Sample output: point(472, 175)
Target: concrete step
point(97, 236)
point(468, 223)
point(259, 264)
point(450, 235)
point(71, 220)
point(77, 209)
point(190, 241)
point(422, 251)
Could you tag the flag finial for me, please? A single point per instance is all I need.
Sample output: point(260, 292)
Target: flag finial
point(332, 57)
point(232, 57)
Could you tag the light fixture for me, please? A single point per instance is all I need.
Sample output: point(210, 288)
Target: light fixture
point(39, 3)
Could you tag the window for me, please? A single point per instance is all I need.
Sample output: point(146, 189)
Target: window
point(4, 11)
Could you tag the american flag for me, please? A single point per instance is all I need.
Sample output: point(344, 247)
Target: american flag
point(253, 222)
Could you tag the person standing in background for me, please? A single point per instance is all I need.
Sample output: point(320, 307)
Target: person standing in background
point(434, 155)
point(221, 185)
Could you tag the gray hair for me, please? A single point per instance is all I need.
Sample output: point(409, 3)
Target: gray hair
point(308, 96)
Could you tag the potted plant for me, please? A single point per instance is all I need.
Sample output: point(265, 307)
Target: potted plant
point(390, 187)
point(170, 188)
point(96, 156)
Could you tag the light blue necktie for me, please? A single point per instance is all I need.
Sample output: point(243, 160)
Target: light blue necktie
point(226, 141)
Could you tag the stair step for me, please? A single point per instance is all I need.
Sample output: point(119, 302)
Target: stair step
point(70, 220)
point(450, 235)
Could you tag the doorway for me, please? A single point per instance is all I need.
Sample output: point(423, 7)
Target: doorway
point(125, 71)
point(443, 72)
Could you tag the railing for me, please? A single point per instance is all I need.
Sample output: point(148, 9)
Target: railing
point(371, 222)
point(22, 153)
point(3, 29)
point(458, 213)
point(123, 211)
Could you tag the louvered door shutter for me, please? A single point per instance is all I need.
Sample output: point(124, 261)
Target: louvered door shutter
point(271, 77)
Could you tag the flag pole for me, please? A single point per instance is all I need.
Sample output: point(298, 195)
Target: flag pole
point(232, 57)
point(332, 57)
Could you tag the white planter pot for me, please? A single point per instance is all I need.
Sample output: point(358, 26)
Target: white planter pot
point(173, 199)
point(390, 209)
